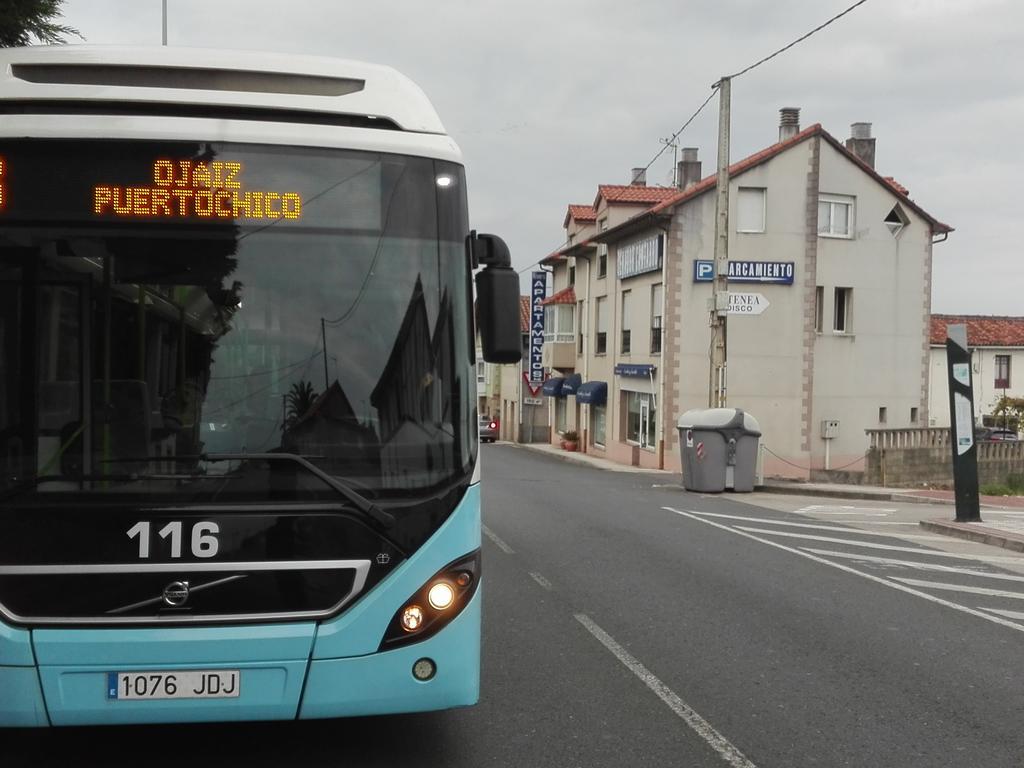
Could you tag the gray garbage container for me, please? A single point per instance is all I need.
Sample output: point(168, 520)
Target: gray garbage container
point(719, 449)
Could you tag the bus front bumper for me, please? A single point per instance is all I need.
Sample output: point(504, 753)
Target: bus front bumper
point(281, 689)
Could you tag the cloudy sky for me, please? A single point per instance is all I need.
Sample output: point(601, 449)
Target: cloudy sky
point(550, 99)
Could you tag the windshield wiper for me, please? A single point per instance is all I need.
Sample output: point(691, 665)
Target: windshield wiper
point(356, 499)
point(34, 482)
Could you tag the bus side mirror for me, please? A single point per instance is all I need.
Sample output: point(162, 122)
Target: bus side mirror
point(497, 294)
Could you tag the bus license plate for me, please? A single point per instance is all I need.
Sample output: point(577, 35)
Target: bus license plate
point(179, 684)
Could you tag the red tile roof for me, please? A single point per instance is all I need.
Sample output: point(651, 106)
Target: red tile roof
point(524, 314)
point(564, 296)
point(582, 213)
point(769, 152)
point(633, 194)
point(897, 186)
point(982, 330)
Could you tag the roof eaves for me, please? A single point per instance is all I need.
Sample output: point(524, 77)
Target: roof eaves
point(890, 184)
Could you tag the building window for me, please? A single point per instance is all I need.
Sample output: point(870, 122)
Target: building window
point(625, 323)
point(558, 324)
point(640, 419)
point(598, 414)
point(913, 415)
point(835, 216)
point(750, 210)
point(842, 320)
point(602, 260)
point(883, 415)
point(481, 372)
point(657, 305)
point(819, 308)
point(560, 409)
point(581, 327)
point(896, 220)
point(601, 337)
point(572, 275)
point(1002, 372)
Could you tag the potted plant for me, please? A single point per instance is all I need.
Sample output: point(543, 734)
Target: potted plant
point(570, 440)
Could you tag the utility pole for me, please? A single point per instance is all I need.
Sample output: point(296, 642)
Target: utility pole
point(718, 306)
point(323, 333)
point(164, 17)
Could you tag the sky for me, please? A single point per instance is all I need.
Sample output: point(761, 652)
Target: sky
point(549, 99)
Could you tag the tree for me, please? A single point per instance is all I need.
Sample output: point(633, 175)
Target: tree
point(24, 22)
point(1009, 412)
point(300, 399)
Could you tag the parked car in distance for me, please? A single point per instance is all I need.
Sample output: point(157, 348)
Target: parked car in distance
point(995, 435)
point(488, 429)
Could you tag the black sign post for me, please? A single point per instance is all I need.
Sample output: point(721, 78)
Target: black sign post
point(961, 420)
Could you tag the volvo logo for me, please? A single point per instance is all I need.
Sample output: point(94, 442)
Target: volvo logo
point(176, 593)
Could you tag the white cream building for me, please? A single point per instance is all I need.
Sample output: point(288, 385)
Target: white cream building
point(840, 263)
point(997, 363)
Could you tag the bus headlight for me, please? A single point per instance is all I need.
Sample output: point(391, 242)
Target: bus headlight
point(441, 596)
point(412, 618)
point(435, 604)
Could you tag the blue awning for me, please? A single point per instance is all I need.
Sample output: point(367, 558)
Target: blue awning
point(592, 393)
point(630, 369)
point(553, 387)
point(572, 384)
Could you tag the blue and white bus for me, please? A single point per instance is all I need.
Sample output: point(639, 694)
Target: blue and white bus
point(238, 435)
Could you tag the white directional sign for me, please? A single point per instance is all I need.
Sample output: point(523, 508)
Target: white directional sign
point(747, 303)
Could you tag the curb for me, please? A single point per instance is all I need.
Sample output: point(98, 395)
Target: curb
point(797, 490)
point(975, 532)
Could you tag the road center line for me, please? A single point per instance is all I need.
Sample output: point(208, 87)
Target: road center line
point(728, 752)
point(854, 571)
point(541, 580)
point(497, 540)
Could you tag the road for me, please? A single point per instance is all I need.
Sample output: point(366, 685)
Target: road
point(631, 624)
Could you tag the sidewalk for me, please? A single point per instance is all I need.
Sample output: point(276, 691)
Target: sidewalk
point(585, 459)
point(1001, 528)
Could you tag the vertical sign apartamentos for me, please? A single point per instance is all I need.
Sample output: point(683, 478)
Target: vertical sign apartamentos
point(538, 290)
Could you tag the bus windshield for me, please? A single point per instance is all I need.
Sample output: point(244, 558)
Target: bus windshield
point(164, 304)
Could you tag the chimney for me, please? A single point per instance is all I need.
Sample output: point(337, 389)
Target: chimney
point(861, 143)
point(789, 123)
point(638, 177)
point(689, 168)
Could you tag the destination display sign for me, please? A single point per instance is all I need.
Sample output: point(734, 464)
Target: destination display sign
point(207, 184)
point(183, 188)
point(772, 272)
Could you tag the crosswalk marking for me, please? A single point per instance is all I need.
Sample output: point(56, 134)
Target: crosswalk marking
point(837, 527)
point(846, 569)
point(914, 564)
point(1000, 612)
point(790, 534)
point(960, 588)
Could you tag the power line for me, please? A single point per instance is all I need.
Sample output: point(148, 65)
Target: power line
point(714, 90)
point(798, 40)
point(666, 143)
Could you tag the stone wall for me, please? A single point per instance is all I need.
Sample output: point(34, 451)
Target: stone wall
point(914, 457)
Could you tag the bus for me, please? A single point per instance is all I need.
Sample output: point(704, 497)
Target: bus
point(239, 469)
